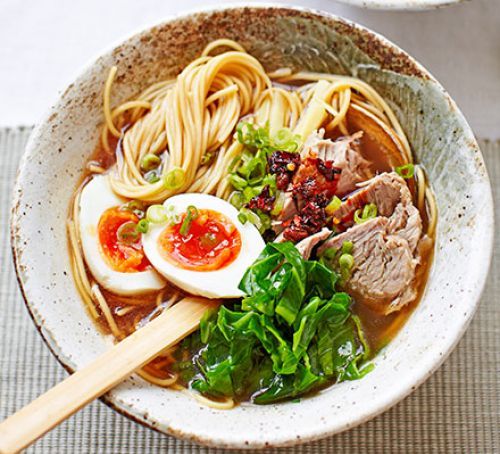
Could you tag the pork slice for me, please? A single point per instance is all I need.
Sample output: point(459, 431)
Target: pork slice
point(406, 222)
point(384, 265)
point(384, 190)
point(390, 193)
point(346, 155)
point(306, 245)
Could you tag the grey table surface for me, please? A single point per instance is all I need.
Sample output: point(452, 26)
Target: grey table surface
point(456, 411)
point(44, 43)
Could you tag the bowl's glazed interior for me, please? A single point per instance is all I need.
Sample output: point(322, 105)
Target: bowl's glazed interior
point(441, 141)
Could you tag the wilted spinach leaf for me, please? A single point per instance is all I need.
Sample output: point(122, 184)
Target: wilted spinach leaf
point(291, 333)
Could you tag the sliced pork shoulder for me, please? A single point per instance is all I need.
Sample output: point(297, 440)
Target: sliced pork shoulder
point(384, 248)
point(384, 265)
point(306, 246)
point(390, 193)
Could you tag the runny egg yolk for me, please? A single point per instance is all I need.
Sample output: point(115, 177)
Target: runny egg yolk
point(211, 242)
point(126, 257)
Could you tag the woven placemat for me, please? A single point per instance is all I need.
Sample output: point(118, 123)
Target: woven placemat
point(456, 411)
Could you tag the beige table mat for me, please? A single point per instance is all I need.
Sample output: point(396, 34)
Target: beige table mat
point(456, 411)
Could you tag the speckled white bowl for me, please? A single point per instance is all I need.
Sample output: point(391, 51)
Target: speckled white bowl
point(403, 5)
point(279, 36)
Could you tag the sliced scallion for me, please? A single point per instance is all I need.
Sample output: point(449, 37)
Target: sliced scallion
point(207, 158)
point(152, 177)
point(406, 171)
point(209, 240)
point(346, 262)
point(333, 206)
point(143, 226)
point(157, 214)
point(191, 215)
point(242, 217)
point(236, 199)
point(175, 178)
point(368, 212)
point(128, 233)
point(238, 182)
point(135, 206)
point(278, 204)
point(150, 161)
point(347, 247)
point(248, 215)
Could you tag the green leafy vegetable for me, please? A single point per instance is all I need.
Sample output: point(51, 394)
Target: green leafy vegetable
point(291, 333)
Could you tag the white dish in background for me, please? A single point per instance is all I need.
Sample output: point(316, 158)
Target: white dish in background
point(441, 139)
point(403, 5)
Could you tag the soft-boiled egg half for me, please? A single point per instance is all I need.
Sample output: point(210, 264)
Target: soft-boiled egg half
point(200, 245)
point(111, 243)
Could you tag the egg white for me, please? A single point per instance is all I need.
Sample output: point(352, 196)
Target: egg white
point(96, 197)
point(222, 283)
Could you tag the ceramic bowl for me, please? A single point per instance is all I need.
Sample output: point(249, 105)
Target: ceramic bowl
point(302, 39)
point(402, 5)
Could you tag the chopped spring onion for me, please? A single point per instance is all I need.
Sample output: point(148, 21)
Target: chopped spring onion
point(135, 206)
point(278, 204)
point(207, 158)
point(172, 215)
point(175, 179)
point(157, 214)
point(143, 226)
point(236, 199)
point(347, 247)
point(259, 137)
point(128, 233)
point(238, 182)
point(252, 135)
point(346, 262)
point(333, 206)
point(191, 215)
point(368, 212)
point(285, 140)
point(242, 217)
point(152, 177)
point(150, 161)
point(248, 215)
point(406, 171)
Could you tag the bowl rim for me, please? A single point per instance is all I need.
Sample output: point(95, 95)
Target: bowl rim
point(432, 361)
point(402, 5)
